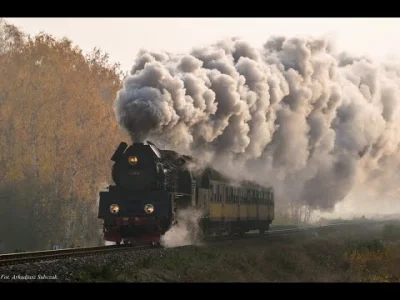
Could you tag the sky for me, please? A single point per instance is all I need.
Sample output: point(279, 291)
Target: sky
point(122, 38)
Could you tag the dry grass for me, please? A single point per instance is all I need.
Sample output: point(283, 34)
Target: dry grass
point(354, 254)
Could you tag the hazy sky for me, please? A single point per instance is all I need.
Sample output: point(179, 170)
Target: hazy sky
point(123, 37)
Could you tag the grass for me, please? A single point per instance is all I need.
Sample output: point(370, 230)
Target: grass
point(353, 254)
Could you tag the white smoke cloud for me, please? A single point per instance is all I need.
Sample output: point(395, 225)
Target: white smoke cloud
point(297, 115)
point(187, 230)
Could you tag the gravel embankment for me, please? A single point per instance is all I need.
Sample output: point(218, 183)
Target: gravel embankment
point(74, 268)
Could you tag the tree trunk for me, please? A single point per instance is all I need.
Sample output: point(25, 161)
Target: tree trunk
point(71, 214)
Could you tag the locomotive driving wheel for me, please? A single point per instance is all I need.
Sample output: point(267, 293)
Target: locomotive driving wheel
point(156, 243)
point(129, 241)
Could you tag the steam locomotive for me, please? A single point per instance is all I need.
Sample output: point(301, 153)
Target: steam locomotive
point(153, 185)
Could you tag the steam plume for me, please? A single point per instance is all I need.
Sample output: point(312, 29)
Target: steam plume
point(296, 114)
point(186, 231)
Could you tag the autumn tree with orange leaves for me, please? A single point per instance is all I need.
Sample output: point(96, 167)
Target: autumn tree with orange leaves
point(57, 134)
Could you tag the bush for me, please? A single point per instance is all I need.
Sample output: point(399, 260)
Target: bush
point(391, 232)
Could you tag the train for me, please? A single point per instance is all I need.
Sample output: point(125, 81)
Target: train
point(151, 186)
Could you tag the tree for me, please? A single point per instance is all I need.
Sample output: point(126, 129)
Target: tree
point(59, 133)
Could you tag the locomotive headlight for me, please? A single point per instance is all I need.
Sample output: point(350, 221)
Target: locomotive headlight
point(114, 209)
point(149, 208)
point(133, 160)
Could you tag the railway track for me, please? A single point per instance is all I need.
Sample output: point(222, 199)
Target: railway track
point(29, 257)
point(275, 232)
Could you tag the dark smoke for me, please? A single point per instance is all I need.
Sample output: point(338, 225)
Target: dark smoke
point(297, 115)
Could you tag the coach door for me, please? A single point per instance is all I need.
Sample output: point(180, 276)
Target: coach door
point(222, 200)
point(257, 203)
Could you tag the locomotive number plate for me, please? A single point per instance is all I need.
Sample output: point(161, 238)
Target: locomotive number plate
point(134, 173)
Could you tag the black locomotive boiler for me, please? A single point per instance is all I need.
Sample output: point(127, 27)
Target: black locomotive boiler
point(152, 185)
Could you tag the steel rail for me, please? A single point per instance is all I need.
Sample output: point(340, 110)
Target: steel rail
point(291, 230)
point(28, 257)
